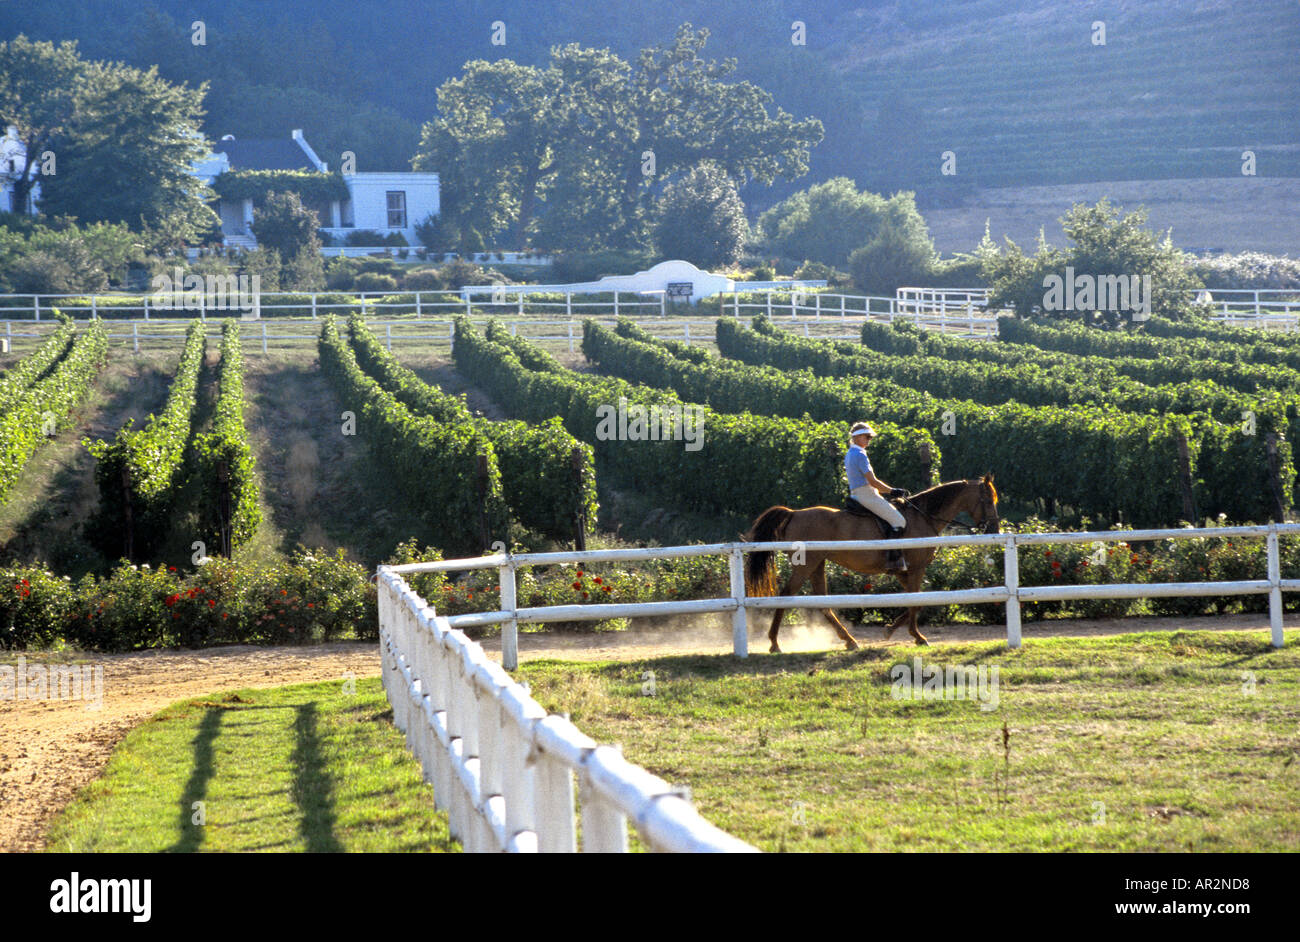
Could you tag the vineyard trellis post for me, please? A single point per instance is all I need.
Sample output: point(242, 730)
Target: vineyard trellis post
point(128, 533)
point(580, 514)
point(223, 507)
point(1185, 479)
point(1275, 478)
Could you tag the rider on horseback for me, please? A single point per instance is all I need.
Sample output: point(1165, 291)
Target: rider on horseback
point(867, 491)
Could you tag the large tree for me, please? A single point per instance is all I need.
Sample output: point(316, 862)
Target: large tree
point(127, 153)
point(580, 150)
point(38, 94)
point(702, 219)
point(824, 223)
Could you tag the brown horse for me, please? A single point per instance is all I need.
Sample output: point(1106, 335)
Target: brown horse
point(928, 513)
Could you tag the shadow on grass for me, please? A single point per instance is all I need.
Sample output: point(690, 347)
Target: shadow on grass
point(313, 786)
point(197, 787)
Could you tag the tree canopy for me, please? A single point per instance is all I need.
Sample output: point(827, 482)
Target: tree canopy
point(574, 155)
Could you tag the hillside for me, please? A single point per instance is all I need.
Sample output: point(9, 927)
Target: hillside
point(1015, 88)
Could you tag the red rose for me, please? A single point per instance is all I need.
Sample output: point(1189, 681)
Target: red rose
point(577, 585)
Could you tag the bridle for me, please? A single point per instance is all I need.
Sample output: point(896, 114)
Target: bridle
point(986, 505)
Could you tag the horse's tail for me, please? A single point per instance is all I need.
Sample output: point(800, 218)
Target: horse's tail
point(760, 568)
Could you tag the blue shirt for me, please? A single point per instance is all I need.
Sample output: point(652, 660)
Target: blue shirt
point(858, 466)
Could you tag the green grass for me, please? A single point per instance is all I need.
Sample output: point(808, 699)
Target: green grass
point(308, 767)
point(1142, 742)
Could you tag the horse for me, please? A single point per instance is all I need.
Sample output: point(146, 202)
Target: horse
point(928, 513)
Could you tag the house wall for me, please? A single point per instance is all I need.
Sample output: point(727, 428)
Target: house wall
point(370, 201)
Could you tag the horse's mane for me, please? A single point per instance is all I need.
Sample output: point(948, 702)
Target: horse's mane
point(932, 498)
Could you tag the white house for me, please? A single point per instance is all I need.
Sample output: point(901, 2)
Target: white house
point(13, 159)
point(676, 280)
point(382, 201)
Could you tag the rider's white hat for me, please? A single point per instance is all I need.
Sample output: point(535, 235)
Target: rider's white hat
point(861, 428)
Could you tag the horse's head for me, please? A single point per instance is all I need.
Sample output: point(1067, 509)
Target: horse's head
point(986, 508)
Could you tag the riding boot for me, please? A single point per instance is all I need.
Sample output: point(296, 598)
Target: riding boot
point(894, 560)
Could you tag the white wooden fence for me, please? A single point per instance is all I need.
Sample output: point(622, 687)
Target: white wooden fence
point(502, 767)
point(1011, 592)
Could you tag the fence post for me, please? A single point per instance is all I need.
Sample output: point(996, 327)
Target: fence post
point(509, 629)
point(739, 622)
point(467, 307)
point(418, 312)
point(144, 302)
point(36, 305)
point(663, 304)
point(1275, 588)
point(451, 337)
point(817, 306)
point(686, 333)
point(520, 296)
point(203, 308)
point(135, 335)
point(570, 336)
point(264, 336)
point(616, 302)
point(1011, 565)
point(568, 304)
point(388, 336)
point(769, 303)
point(604, 827)
point(842, 300)
point(94, 306)
point(313, 304)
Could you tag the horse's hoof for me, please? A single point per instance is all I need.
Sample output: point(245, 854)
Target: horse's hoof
point(774, 649)
point(851, 645)
point(889, 631)
point(921, 641)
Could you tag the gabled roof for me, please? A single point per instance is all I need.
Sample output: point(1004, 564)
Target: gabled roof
point(264, 153)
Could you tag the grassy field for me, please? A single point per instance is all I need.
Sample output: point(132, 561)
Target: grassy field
point(302, 768)
point(1147, 742)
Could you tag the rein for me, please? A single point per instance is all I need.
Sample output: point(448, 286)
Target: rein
point(945, 524)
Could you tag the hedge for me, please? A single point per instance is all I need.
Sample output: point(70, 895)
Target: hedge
point(542, 488)
point(1221, 333)
point(1070, 337)
point(448, 472)
point(31, 367)
point(745, 464)
point(312, 186)
point(1097, 459)
point(141, 471)
point(47, 404)
point(908, 339)
point(226, 443)
point(314, 596)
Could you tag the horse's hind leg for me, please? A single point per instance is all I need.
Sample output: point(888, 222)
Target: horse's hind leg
point(798, 576)
point(819, 588)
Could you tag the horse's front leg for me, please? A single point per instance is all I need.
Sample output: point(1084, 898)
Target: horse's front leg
point(912, 583)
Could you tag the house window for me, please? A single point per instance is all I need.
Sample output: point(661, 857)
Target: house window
point(396, 209)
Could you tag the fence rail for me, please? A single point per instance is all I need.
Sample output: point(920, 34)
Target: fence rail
point(1011, 592)
point(502, 767)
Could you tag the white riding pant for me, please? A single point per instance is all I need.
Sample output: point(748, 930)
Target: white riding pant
point(869, 497)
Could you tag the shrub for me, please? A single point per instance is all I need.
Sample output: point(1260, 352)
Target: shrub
point(423, 279)
point(364, 238)
point(371, 281)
